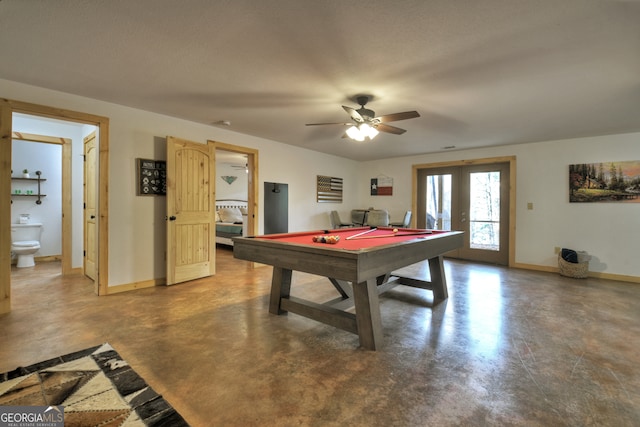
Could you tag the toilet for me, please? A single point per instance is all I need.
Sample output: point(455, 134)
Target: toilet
point(25, 242)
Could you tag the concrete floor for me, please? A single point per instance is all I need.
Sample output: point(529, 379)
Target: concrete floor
point(509, 347)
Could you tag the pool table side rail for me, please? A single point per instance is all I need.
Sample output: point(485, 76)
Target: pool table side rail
point(354, 266)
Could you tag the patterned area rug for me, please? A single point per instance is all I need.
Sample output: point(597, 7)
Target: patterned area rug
point(95, 387)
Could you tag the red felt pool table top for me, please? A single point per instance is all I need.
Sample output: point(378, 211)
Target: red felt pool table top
point(373, 237)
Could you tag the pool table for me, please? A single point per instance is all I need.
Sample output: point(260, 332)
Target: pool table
point(358, 265)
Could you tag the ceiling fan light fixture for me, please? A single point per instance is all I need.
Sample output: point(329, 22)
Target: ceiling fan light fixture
point(368, 130)
point(364, 123)
point(354, 133)
point(361, 132)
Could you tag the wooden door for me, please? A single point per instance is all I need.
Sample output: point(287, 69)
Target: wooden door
point(90, 207)
point(190, 210)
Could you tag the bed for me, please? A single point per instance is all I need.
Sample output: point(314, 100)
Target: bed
point(231, 219)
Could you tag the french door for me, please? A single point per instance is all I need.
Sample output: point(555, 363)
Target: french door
point(470, 198)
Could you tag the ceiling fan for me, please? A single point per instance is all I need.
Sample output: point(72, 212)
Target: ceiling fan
point(244, 167)
point(365, 124)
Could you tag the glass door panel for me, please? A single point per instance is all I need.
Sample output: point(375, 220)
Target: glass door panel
point(484, 210)
point(438, 213)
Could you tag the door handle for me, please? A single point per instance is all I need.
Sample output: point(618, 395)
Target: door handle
point(93, 217)
point(172, 218)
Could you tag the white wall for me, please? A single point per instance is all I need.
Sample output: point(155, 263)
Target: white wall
point(137, 225)
point(237, 189)
point(610, 232)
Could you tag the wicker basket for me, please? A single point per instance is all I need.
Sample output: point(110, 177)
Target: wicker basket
point(578, 270)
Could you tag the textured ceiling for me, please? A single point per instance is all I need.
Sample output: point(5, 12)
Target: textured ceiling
point(480, 72)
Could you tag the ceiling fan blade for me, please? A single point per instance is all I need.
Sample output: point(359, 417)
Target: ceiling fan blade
point(354, 114)
point(337, 123)
point(398, 116)
point(390, 129)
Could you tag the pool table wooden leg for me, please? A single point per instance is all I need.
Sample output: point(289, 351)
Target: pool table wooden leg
point(280, 288)
point(438, 279)
point(368, 319)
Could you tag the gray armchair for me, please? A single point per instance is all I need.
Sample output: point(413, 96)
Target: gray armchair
point(405, 222)
point(336, 222)
point(378, 218)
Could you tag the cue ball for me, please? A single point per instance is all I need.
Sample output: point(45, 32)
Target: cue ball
point(395, 230)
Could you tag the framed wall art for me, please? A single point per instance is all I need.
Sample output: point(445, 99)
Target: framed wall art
point(382, 185)
point(152, 177)
point(329, 189)
point(605, 182)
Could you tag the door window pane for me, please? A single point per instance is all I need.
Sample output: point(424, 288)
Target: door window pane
point(439, 202)
point(484, 210)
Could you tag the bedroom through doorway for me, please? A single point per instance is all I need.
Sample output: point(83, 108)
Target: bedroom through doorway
point(236, 195)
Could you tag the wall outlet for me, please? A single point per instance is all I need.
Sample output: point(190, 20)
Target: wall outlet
point(530, 206)
point(556, 250)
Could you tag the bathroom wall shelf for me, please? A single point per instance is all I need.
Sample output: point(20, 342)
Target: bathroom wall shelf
point(37, 194)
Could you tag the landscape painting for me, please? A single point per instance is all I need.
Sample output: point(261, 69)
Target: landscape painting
point(605, 182)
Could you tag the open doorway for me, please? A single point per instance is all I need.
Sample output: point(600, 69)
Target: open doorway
point(7, 110)
point(37, 200)
point(52, 147)
point(236, 182)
